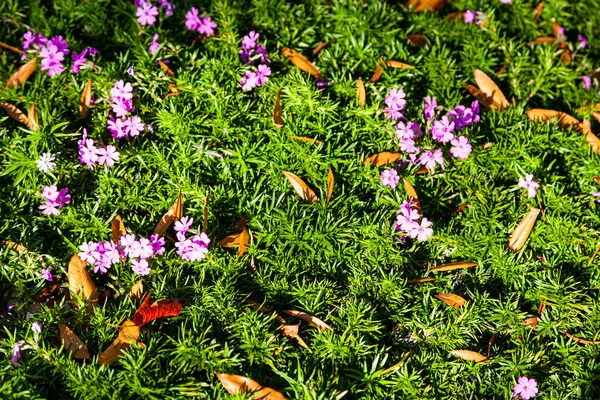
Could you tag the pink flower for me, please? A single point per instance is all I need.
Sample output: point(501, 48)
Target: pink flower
point(390, 178)
point(529, 184)
point(596, 194)
point(206, 27)
point(122, 90)
point(583, 42)
point(88, 153)
point(126, 243)
point(442, 130)
point(430, 105)
point(154, 46)
point(46, 274)
point(429, 159)
point(405, 131)
point(140, 267)
point(52, 59)
point(88, 252)
point(525, 388)
point(249, 81)
point(158, 245)
point(469, 16)
point(183, 225)
point(462, 147)
point(421, 231)
point(191, 19)
point(117, 127)
point(36, 327)
point(262, 75)
point(249, 41)
point(408, 145)
point(133, 126)
point(146, 14)
point(16, 353)
point(587, 82)
point(395, 101)
point(146, 250)
point(481, 17)
point(505, 1)
point(121, 106)
point(108, 155)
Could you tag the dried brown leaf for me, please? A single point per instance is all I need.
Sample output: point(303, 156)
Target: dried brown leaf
point(12, 48)
point(22, 74)
point(301, 62)
point(16, 247)
point(560, 36)
point(17, 115)
point(257, 306)
point(86, 99)
point(232, 240)
point(453, 266)
point(72, 343)
point(542, 40)
point(596, 115)
point(565, 56)
point(381, 159)
point(484, 100)
point(491, 343)
point(417, 40)
point(377, 74)
point(542, 306)
point(470, 355)
point(452, 299)
point(320, 47)
point(137, 290)
point(521, 233)
point(174, 214)
point(291, 332)
point(330, 182)
point(243, 242)
point(308, 318)
point(277, 112)
point(361, 93)
point(398, 64)
point(306, 139)
point(50, 289)
point(421, 171)
point(118, 228)
point(411, 193)
point(530, 322)
point(491, 90)
point(563, 119)
point(301, 188)
point(590, 138)
point(420, 280)
point(128, 334)
point(582, 341)
point(236, 384)
point(166, 68)
point(34, 116)
point(537, 12)
point(426, 5)
point(80, 282)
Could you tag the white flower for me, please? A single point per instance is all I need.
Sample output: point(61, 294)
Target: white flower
point(45, 163)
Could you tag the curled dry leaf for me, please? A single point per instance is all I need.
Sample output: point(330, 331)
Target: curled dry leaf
point(72, 343)
point(34, 116)
point(470, 355)
point(305, 139)
point(412, 193)
point(485, 101)
point(301, 187)
point(426, 5)
point(452, 299)
point(243, 242)
point(361, 93)
point(417, 40)
point(330, 182)
point(308, 318)
point(453, 266)
point(291, 332)
point(420, 280)
point(301, 62)
point(159, 309)
point(320, 47)
point(80, 283)
point(491, 90)
point(590, 138)
point(86, 99)
point(537, 12)
point(277, 118)
point(129, 334)
point(491, 343)
point(236, 384)
point(137, 290)
point(12, 48)
point(563, 119)
point(398, 64)
point(596, 115)
point(18, 115)
point(378, 71)
point(542, 40)
point(582, 341)
point(118, 228)
point(383, 158)
point(22, 74)
point(174, 214)
point(522, 231)
point(530, 322)
point(166, 68)
point(16, 247)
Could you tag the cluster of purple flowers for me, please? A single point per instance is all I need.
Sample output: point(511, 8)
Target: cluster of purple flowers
point(194, 248)
point(411, 223)
point(395, 102)
point(55, 200)
point(204, 26)
point(478, 17)
point(122, 104)
point(104, 255)
point(251, 52)
point(90, 154)
point(147, 12)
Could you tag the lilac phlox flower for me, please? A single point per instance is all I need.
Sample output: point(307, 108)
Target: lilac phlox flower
point(249, 41)
point(154, 46)
point(481, 17)
point(249, 81)
point(421, 231)
point(321, 84)
point(46, 274)
point(32, 39)
point(52, 59)
point(108, 155)
point(596, 194)
point(442, 130)
point(16, 353)
point(126, 242)
point(140, 267)
point(121, 90)
point(408, 145)
point(206, 27)
point(469, 16)
point(61, 44)
point(476, 111)
point(54, 200)
point(191, 19)
point(194, 249)
point(45, 162)
point(505, 1)
point(89, 253)
point(389, 178)
point(146, 13)
point(146, 249)
point(262, 52)
point(182, 227)
point(79, 60)
point(88, 153)
point(529, 184)
point(525, 388)
point(430, 159)
point(462, 147)
point(117, 127)
point(169, 7)
point(36, 327)
point(407, 215)
point(587, 82)
point(262, 75)
point(158, 244)
point(430, 105)
point(583, 42)
point(121, 106)
point(404, 131)
point(395, 101)
point(130, 70)
point(133, 126)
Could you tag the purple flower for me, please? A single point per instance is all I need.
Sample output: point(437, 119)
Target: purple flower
point(88, 252)
point(407, 215)
point(421, 231)
point(133, 126)
point(36, 327)
point(126, 242)
point(183, 226)
point(587, 82)
point(158, 245)
point(481, 17)
point(130, 70)
point(54, 200)
point(505, 1)
point(442, 130)
point(121, 106)
point(430, 105)
point(462, 147)
point(469, 16)
point(169, 7)
point(140, 267)
point(206, 27)
point(117, 127)
point(529, 184)
point(525, 388)
point(88, 153)
point(146, 14)
point(193, 249)
point(52, 59)
point(404, 131)
point(395, 101)
point(45, 162)
point(596, 194)
point(249, 41)
point(321, 84)
point(560, 35)
point(249, 81)
point(122, 90)
point(262, 75)
point(408, 145)
point(390, 178)
point(583, 42)
point(78, 60)
point(61, 44)
point(475, 110)
point(191, 19)
point(429, 159)
point(262, 52)
point(145, 248)
point(108, 155)
point(46, 274)
point(154, 46)
point(16, 353)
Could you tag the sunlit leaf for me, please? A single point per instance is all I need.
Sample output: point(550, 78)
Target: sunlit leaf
point(491, 90)
point(484, 100)
point(129, 334)
point(522, 231)
point(301, 188)
point(80, 282)
point(398, 64)
point(330, 182)
point(452, 299)
point(291, 332)
point(426, 5)
point(383, 158)
point(86, 99)
point(137, 290)
point(378, 71)
point(361, 93)
point(537, 12)
point(308, 318)
point(166, 68)
point(72, 343)
point(277, 118)
point(530, 322)
point(417, 40)
point(542, 40)
point(12, 48)
point(420, 280)
point(173, 214)
point(17, 115)
point(301, 62)
point(453, 266)
point(22, 74)
point(159, 309)
point(118, 228)
point(243, 242)
point(470, 355)
point(236, 384)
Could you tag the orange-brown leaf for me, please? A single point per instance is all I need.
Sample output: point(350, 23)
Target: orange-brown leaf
point(491, 90)
point(530, 322)
point(565, 56)
point(12, 48)
point(542, 40)
point(301, 188)
point(420, 280)
point(291, 332)
point(453, 266)
point(118, 228)
point(484, 100)
point(582, 341)
point(86, 99)
point(361, 93)
point(590, 138)
point(596, 115)
point(277, 111)
point(155, 311)
point(411, 193)
point(80, 282)
point(537, 12)
point(563, 119)
point(243, 242)
point(470, 355)
point(308, 318)
point(48, 290)
point(128, 334)
point(22, 74)
point(174, 214)
point(560, 36)
point(301, 62)
point(383, 158)
point(398, 64)
point(232, 240)
point(306, 139)
point(237, 384)
point(320, 47)
point(137, 290)
point(17, 115)
point(34, 116)
point(330, 182)
point(166, 68)
point(452, 299)
point(16, 247)
point(417, 40)
point(426, 5)
point(377, 74)
point(72, 343)
point(521, 233)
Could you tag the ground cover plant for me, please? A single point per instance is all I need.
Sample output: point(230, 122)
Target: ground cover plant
point(317, 199)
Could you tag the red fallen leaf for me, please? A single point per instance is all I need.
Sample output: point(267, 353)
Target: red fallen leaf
point(160, 309)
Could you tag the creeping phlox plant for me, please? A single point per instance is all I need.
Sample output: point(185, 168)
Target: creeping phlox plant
point(411, 223)
point(251, 52)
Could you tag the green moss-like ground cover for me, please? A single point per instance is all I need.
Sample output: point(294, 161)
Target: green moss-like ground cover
point(342, 263)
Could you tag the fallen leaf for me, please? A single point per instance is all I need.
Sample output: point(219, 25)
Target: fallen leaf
point(560, 36)
point(565, 56)
point(412, 193)
point(50, 289)
point(118, 228)
point(301, 62)
point(330, 182)
point(72, 343)
point(166, 68)
point(308, 318)
point(291, 332)
point(542, 40)
point(361, 94)
point(16, 247)
point(128, 334)
point(590, 138)
point(243, 242)
point(80, 283)
point(421, 171)
point(232, 240)
point(381, 159)
point(596, 115)
point(542, 306)
point(460, 208)
point(174, 214)
point(320, 47)
point(34, 116)
point(22, 74)
point(17, 115)
point(174, 90)
point(501, 71)
point(453, 266)
point(582, 341)
point(491, 90)
point(491, 343)
point(485, 101)
point(163, 309)
point(277, 119)
point(301, 187)
point(12, 48)
point(537, 12)
point(522, 231)
point(306, 139)
point(420, 280)
point(377, 74)
point(137, 290)
point(417, 40)
point(236, 384)
point(563, 119)
point(451, 299)
point(426, 5)
point(257, 306)
point(470, 355)
point(86, 99)
point(398, 64)
point(530, 322)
